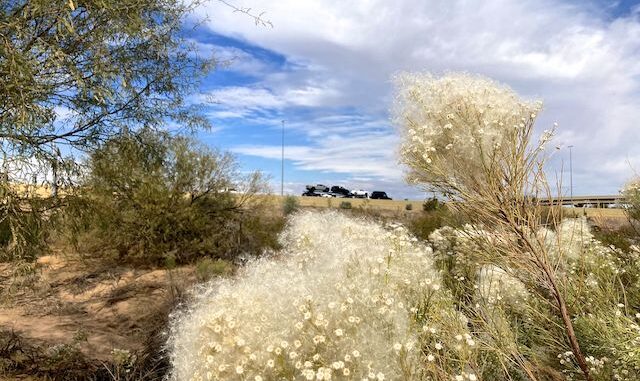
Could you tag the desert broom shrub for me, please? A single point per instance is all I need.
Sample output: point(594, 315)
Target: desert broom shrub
point(357, 301)
point(515, 293)
point(425, 223)
point(470, 139)
point(601, 285)
point(431, 204)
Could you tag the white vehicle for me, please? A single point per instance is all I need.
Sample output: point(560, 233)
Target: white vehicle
point(360, 193)
point(317, 187)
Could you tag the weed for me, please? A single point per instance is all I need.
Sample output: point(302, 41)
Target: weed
point(289, 205)
point(345, 205)
point(207, 268)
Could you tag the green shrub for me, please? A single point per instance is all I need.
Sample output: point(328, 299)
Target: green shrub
point(408, 207)
point(289, 205)
point(345, 205)
point(431, 204)
point(207, 268)
point(622, 238)
point(423, 224)
point(149, 196)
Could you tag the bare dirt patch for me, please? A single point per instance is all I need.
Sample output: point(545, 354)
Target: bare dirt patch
point(91, 307)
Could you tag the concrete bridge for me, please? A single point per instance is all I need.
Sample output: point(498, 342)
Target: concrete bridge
point(586, 201)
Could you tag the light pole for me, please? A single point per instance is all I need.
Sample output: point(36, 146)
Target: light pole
point(282, 169)
point(571, 173)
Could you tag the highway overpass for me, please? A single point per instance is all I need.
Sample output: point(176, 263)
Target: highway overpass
point(586, 201)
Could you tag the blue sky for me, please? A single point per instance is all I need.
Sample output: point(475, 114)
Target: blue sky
point(326, 68)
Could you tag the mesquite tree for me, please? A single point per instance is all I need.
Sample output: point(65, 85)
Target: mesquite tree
point(73, 74)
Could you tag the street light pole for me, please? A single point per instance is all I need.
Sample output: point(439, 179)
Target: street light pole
point(282, 169)
point(571, 173)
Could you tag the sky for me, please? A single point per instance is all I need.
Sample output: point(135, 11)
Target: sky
point(326, 69)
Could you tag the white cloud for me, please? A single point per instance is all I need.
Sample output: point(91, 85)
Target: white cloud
point(582, 62)
point(234, 101)
point(230, 58)
point(365, 154)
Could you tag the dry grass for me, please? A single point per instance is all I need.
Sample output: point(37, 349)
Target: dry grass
point(399, 206)
point(379, 205)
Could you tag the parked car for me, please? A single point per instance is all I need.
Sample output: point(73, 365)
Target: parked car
point(317, 187)
point(310, 193)
point(379, 195)
point(359, 193)
point(340, 190)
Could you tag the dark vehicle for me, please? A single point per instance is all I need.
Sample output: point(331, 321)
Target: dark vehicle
point(378, 195)
point(340, 191)
point(311, 193)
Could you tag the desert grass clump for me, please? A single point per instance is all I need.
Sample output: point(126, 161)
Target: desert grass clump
point(357, 301)
point(206, 268)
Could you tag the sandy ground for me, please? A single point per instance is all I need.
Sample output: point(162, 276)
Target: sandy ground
point(97, 306)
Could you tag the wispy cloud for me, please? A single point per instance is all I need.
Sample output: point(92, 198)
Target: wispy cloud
point(363, 155)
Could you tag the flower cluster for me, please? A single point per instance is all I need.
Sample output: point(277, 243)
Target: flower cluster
point(570, 239)
point(496, 286)
point(364, 301)
point(601, 284)
point(458, 123)
point(354, 301)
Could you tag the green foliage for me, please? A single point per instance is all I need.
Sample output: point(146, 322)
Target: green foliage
point(104, 64)
point(149, 196)
point(207, 268)
point(289, 205)
point(345, 205)
point(431, 204)
point(24, 224)
point(74, 74)
point(621, 238)
point(425, 223)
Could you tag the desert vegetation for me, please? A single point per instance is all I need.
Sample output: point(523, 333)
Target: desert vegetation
point(131, 251)
point(109, 207)
point(511, 290)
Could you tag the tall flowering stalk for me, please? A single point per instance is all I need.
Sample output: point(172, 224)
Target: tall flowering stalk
point(470, 138)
